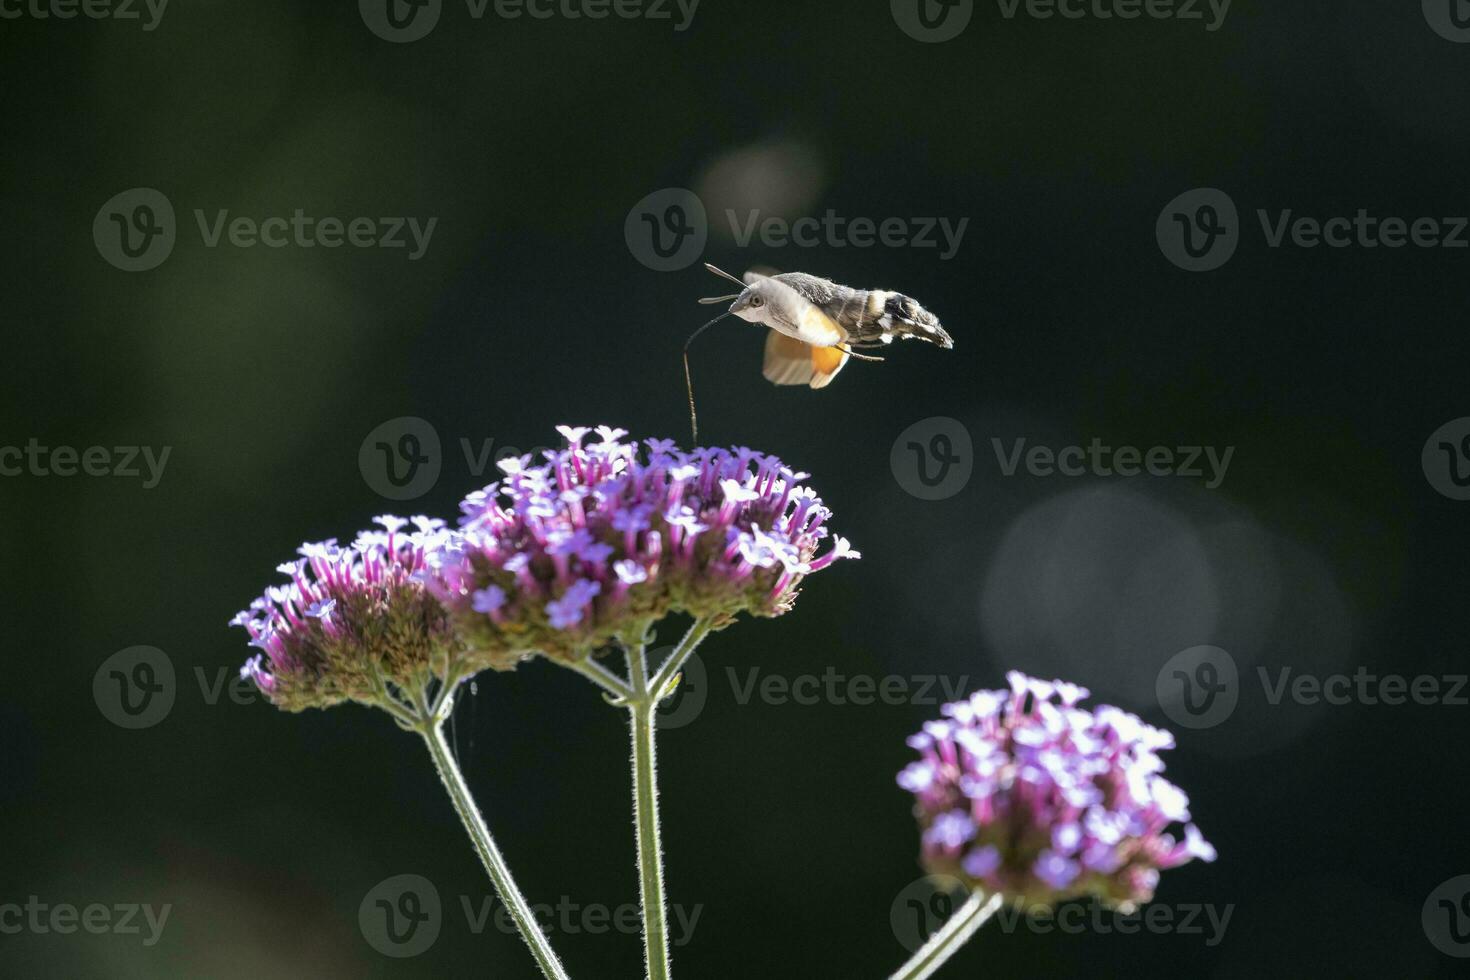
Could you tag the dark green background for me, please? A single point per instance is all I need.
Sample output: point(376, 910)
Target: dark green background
point(1061, 141)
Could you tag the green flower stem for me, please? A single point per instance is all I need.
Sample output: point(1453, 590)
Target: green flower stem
point(604, 678)
point(697, 632)
point(431, 727)
point(955, 932)
point(641, 706)
point(641, 695)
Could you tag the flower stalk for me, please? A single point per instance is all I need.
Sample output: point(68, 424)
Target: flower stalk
point(641, 694)
point(642, 704)
point(956, 931)
point(431, 727)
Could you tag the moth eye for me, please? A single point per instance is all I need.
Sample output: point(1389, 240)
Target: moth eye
point(757, 301)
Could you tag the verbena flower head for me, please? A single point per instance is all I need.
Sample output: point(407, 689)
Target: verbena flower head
point(1024, 793)
point(598, 540)
point(347, 616)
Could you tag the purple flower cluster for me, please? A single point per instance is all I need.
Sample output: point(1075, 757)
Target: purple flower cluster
point(598, 540)
point(1024, 793)
point(349, 619)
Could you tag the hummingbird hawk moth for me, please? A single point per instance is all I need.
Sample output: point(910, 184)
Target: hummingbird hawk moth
point(816, 325)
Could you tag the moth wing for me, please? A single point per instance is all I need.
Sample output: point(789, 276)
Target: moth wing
point(826, 362)
point(814, 289)
point(789, 361)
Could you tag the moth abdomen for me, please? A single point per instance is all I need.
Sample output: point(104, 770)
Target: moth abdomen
point(869, 315)
point(904, 317)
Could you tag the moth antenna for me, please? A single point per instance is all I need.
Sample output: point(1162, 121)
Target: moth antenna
point(689, 378)
point(718, 299)
point(721, 272)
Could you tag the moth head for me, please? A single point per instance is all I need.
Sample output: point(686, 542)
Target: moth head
point(753, 304)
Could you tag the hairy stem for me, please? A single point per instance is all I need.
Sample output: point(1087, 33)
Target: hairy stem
point(432, 730)
point(641, 708)
point(951, 936)
point(697, 632)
